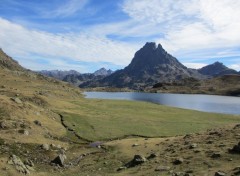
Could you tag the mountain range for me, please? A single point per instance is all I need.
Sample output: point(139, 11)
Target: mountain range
point(151, 65)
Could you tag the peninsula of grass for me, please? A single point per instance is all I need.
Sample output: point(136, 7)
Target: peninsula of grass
point(95, 119)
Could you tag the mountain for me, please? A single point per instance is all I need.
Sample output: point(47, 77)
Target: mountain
point(216, 69)
point(9, 63)
point(151, 64)
point(82, 78)
point(58, 74)
point(103, 72)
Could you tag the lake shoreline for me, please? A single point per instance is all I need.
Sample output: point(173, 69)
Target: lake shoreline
point(199, 102)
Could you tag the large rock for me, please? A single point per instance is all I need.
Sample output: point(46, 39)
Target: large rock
point(59, 160)
point(137, 160)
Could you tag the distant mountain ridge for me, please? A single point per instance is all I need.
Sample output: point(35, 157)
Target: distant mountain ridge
point(58, 74)
point(216, 69)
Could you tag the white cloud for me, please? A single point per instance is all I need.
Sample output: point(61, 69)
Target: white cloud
point(69, 8)
point(235, 66)
point(190, 25)
point(21, 43)
point(194, 65)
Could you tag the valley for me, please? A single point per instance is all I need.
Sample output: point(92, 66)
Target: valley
point(47, 127)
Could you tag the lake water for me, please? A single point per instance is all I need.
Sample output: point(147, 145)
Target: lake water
point(206, 103)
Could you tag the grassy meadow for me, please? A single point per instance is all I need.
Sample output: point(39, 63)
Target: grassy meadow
point(95, 119)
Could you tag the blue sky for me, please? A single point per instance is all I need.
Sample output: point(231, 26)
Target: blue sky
point(86, 35)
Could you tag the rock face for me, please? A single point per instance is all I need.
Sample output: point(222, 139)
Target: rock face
point(216, 69)
point(150, 65)
point(103, 72)
point(19, 165)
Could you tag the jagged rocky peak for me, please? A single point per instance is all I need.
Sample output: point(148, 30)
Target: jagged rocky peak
point(151, 56)
point(103, 72)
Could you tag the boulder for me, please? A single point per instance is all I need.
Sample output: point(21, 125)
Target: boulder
point(59, 160)
point(137, 160)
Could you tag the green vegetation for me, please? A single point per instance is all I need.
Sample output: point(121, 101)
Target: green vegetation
point(108, 119)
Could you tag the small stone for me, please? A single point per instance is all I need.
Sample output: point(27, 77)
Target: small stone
point(16, 100)
point(23, 131)
point(178, 161)
point(135, 145)
point(121, 168)
point(152, 155)
point(162, 168)
point(216, 155)
point(219, 173)
point(192, 146)
point(45, 147)
point(3, 125)
point(37, 123)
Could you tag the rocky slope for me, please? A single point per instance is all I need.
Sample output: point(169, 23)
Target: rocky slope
point(216, 69)
point(151, 64)
point(8, 63)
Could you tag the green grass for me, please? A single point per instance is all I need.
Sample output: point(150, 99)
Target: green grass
point(106, 119)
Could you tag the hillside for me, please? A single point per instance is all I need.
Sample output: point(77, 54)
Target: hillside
point(48, 128)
